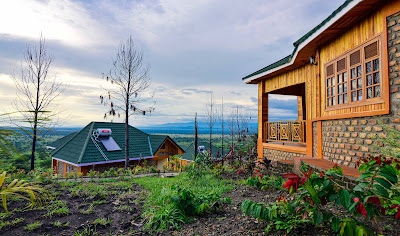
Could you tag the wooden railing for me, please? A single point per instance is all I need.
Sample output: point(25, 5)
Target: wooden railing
point(285, 131)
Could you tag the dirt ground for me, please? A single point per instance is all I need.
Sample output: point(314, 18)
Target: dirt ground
point(123, 206)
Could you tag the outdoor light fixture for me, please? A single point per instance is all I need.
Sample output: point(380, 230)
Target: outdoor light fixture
point(312, 61)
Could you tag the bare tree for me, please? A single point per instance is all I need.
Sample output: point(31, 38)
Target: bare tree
point(222, 120)
point(232, 125)
point(128, 93)
point(210, 116)
point(36, 93)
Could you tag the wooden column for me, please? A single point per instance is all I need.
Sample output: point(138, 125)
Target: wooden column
point(262, 117)
point(319, 134)
point(299, 107)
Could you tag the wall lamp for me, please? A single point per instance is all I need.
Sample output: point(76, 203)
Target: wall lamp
point(313, 61)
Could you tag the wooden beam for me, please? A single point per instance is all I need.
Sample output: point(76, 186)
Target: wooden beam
point(319, 135)
point(309, 138)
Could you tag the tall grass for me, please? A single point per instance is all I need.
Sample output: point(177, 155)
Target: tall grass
point(162, 212)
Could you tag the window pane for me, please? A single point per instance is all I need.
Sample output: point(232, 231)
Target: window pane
point(359, 83)
point(329, 82)
point(369, 92)
point(340, 99)
point(368, 67)
point(333, 81)
point(376, 78)
point(345, 87)
point(359, 72)
point(340, 89)
point(353, 84)
point(353, 73)
point(333, 91)
point(359, 95)
point(333, 101)
point(369, 80)
point(345, 98)
point(376, 64)
point(345, 77)
point(377, 91)
point(354, 96)
point(329, 92)
point(329, 101)
point(340, 78)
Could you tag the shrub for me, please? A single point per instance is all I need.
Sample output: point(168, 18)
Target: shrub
point(375, 195)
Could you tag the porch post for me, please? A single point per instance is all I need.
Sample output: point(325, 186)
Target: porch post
point(262, 117)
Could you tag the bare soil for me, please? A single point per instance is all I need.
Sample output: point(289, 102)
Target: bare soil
point(229, 221)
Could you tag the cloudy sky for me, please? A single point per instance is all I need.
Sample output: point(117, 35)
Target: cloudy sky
point(193, 47)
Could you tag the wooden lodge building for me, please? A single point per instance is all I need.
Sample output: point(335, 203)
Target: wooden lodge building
point(345, 74)
point(101, 145)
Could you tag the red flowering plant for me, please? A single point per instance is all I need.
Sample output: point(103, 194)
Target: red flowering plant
point(376, 194)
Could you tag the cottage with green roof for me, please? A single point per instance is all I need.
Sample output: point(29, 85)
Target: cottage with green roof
point(345, 74)
point(100, 146)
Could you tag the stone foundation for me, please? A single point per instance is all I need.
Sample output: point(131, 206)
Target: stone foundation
point(276, 155)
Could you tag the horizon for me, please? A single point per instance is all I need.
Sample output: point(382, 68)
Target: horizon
point(186, 62)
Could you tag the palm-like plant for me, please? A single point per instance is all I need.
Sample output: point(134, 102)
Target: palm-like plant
point(21, 189)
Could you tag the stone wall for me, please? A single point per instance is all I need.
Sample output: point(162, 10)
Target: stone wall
point(278, 168)
point(276, 155)
point(345, 141)
point(315, 139)
point(60, 168)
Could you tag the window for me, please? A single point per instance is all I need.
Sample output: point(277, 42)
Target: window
point(354, 77)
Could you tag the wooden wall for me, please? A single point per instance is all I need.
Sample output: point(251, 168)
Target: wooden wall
point(314, 76)
point(305, 74)
point(367, 29)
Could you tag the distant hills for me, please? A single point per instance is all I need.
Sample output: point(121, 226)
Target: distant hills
point(188, 128)
point(168, 128)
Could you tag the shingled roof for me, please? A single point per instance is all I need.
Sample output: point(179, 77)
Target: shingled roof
point(79, 148)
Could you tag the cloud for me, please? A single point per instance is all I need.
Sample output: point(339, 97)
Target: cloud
point(192, 49)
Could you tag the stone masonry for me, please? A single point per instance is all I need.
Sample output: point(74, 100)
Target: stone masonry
point(276, 155)
point(345, 141)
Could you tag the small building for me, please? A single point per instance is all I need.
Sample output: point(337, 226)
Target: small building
point(345, 74)
point(189, 156)
point(101, 145)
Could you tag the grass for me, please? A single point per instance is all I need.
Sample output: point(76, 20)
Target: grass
point(160, 213)
point(11, 223)
point(33, 226)
point(102, 221)
point(57, 208)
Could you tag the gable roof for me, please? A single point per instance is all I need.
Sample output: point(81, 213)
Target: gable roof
point(79, 148)
point(60, 141)
point(349, 12)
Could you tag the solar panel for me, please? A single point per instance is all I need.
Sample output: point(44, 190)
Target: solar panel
point(109, 143)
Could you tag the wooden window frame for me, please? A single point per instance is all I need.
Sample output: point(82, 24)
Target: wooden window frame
point(362, 63)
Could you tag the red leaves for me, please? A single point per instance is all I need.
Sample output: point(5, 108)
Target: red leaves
point(321, 174)
point(293, 181)
point(259, 175)
point(282, 198)
point(356, 199)
point(240, 171)
point(361, 210)
point(374, 200)
point(397, 216)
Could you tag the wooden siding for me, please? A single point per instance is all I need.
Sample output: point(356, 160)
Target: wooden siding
point(314, 76)
point(305, 74)
point(367, 29)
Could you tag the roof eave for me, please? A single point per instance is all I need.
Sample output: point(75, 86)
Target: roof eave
point(254, 79)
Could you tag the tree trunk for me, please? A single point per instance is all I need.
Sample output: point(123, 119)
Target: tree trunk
point(210, 141)
point(34, 138)
point(126, 135)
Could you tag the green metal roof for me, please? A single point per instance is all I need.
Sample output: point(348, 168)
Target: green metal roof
point(299, 41)
point(79, 147)
point(62, 140)
point(190, 150)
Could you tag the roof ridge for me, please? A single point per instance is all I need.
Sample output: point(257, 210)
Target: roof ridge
point(76, 133)
point(86, 142)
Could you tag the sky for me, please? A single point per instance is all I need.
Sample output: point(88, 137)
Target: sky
point(193, 47)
